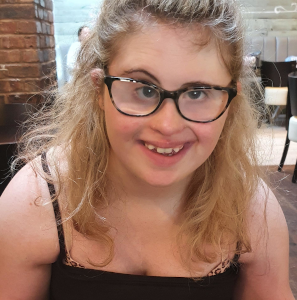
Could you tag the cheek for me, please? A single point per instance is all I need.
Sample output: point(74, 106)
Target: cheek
point(209, 133)
point(120, 128)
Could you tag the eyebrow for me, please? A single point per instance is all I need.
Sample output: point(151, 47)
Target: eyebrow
point(185, 85)
point(130, 71)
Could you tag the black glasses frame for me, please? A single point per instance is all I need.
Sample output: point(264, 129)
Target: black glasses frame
point(174, 95)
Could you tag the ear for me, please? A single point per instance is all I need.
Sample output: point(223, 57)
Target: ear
point(97, 76)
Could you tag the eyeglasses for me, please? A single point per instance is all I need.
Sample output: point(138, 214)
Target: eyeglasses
point(137, 98)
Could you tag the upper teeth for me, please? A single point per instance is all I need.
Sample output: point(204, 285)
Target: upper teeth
point(164, 150)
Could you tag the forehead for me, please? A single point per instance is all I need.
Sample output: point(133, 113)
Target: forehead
point(172, 55)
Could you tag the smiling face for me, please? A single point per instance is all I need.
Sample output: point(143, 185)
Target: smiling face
point(139, 150)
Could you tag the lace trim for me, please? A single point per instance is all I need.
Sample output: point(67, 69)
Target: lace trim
point(221, 268)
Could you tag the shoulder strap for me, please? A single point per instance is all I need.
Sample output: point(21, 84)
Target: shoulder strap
point(237, 254)
point(55, 203)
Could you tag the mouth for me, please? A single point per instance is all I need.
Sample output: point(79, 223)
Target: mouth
point(164, 151)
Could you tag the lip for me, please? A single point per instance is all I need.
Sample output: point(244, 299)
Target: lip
point(162, 160)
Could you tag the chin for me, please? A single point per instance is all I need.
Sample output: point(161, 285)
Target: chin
point(162, 180)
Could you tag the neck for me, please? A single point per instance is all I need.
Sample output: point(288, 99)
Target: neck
point(134, 192)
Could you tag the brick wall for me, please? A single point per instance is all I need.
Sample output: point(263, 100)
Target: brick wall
point(27, 56)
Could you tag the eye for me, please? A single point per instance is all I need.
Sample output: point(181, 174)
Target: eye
point(147, 92)
point(195, 95)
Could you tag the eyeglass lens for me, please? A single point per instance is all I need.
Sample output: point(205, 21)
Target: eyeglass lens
point(135, 98)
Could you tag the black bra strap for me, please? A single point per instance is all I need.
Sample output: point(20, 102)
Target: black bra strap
point(55, 204)
point(237, 254)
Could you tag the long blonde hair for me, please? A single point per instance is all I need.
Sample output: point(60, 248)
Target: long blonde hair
point(221, 189)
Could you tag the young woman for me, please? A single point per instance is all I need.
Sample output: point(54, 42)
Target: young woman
point(142, 181)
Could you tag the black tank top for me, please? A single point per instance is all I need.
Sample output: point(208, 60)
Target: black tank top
point(72, 283)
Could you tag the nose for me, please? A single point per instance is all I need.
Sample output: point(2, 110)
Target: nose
point(166, 119)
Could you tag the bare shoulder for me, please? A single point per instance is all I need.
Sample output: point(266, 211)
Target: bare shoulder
point(28, 234)
point(266, 220)
point(265, 271)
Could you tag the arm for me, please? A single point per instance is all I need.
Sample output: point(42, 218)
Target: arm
point(265, 272)
point(29, 240)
